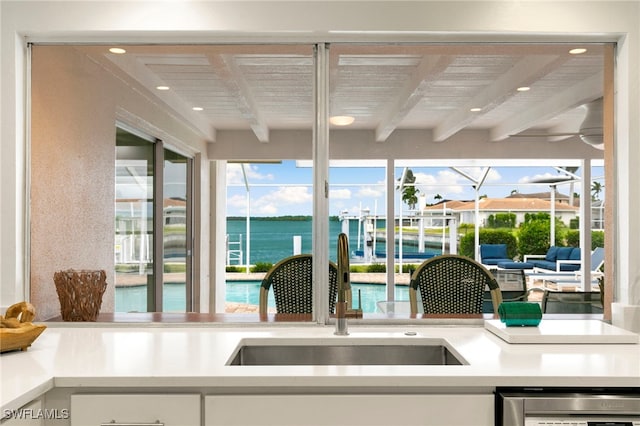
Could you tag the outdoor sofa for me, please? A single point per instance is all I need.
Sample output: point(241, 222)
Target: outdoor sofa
point(494, 256)
point(557, 259)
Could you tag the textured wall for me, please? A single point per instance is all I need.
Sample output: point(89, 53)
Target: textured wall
point(72, 173)
point(75, 105)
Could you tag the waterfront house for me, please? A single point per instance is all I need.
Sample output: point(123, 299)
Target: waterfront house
point(465, 211)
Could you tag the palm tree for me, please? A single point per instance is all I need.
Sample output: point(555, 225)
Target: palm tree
point(409, 191)
point(596, 189)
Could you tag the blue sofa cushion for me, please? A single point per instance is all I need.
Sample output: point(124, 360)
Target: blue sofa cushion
point(569, 267)
point(564, 253)
point(515, 265)
point(551, 266)
point(544, 264)
point(493, 251)
point(575, 254)
point(495, 261)
point(552, 254)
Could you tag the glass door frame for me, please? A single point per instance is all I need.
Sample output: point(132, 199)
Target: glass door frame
point(155, 292)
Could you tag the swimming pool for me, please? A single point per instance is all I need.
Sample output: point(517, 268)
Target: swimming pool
point(134, 298)
point(248, 292)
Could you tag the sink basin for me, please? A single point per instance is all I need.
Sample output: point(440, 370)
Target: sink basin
point(347, 352)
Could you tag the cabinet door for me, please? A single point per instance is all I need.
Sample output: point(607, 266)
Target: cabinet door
point(165, 409)
point(349, 410)
point(31, 414)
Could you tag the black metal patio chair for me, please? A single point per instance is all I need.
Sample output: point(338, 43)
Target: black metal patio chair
point(452, 284)
point(290, 279)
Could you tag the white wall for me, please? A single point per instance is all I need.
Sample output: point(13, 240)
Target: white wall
point(211, 21)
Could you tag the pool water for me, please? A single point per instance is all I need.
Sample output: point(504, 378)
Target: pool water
point(134, 298)
point(248, 292)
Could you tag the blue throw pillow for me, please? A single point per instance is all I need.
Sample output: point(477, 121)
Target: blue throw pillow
point(564, 253)
point(575, 254)
point(493, 251)
point(552, 254)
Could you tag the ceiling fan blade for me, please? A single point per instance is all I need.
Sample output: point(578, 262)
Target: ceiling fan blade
point(590, 129)
point(542, 135)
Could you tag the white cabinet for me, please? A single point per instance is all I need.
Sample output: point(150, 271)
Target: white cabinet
point(32, 414)
point(349, 410)
point(165, 409)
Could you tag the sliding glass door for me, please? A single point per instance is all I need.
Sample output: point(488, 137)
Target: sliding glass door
point(152, 221)
point(176, 229)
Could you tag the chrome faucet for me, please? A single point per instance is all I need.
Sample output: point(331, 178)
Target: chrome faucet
point(344, 285)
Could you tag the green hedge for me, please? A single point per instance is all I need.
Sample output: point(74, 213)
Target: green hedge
point(377, 267)
point(175, 267)
point(489, 236)
point(262, 267)
point(501, 220)
point(572, 238)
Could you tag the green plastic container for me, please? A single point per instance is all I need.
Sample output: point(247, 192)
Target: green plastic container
point(520, 314)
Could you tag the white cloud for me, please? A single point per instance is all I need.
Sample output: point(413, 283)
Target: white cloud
point(370, 192)
point(445, 182)
point(340, 194)
point(493, 176)
point(280, 200)
point(448, 183)
point(235, 175)
point(237, 201)
point(266, 210)
point(534, 178)
point(290, 195)
point(476, 173)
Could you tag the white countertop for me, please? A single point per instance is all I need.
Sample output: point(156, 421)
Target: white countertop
point(186, 356)
point(564, 332)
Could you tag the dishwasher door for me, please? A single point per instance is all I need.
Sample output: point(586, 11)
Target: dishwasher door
point(580, 408)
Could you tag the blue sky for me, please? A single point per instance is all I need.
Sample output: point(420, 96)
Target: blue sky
point(285, 189)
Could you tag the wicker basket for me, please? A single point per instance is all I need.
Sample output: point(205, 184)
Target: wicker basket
point(80, 293)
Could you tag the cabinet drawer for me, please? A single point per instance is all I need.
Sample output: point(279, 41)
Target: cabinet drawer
point(167, 409)
point(349, 410)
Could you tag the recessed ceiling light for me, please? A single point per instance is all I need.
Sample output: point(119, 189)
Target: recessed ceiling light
point(341, 120)
point(523, 89)
point(577, 51)
point(475, 109)
point(117, 50)
point(197, 108)
point(162, 87)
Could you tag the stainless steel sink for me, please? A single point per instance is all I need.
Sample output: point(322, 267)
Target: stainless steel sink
point(353, 352)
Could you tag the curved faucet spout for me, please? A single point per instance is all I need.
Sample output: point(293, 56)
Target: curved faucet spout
point(344, 284)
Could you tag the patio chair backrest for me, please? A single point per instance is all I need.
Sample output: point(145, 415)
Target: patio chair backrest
point(452, 284)
point(290, 279)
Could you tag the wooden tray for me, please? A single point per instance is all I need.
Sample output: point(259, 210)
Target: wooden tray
point(19, 338)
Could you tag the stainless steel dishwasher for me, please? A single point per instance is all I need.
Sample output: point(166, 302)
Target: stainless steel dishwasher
point(571, 407)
